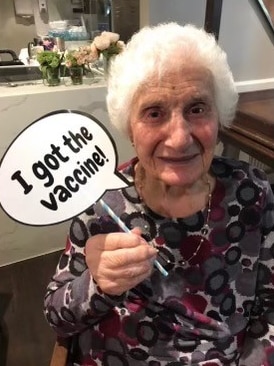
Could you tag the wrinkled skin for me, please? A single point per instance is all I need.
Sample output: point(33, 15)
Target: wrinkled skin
point(173, 126)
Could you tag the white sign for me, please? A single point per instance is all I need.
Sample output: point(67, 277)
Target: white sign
point(57, 167)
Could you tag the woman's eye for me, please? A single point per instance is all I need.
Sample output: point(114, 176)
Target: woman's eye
point(197, 109)
point(153, 115)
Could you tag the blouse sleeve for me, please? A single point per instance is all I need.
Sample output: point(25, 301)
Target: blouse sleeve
point(73, 301)
point(259, 343)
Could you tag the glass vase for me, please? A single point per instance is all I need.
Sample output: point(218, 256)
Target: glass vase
point(52, 76)
point(106, 62)
point(76, 75)
point(89, 74)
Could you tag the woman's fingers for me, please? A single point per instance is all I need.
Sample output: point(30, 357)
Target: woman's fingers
point(128, 256)
point(119, 261)
point(117, 282)
point(118, 249)
point(115, 241)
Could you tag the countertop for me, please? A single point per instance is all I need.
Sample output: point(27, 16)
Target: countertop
point(38, 87)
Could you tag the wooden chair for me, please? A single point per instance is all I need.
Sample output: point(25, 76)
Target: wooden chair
point(60, 352)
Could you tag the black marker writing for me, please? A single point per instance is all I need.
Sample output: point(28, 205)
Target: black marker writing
point(79, 176)
point(77, 139)
point(51, 161)
point(17, 176)
point(56, 151)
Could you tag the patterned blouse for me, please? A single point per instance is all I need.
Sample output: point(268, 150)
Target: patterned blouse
point(216, 309)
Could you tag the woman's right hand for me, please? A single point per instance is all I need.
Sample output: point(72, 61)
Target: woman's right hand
point(119, 261)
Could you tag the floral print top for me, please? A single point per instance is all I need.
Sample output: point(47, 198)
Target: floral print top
point(218, 309)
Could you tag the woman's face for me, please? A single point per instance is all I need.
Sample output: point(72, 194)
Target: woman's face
point(174, 126)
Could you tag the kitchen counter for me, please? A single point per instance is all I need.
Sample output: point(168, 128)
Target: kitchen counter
point(19, 107)
point(38, 87)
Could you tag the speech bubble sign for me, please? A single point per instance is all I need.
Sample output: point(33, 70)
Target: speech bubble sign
point(58, 167)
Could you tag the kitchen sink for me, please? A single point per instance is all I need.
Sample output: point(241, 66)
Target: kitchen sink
point(19, 73)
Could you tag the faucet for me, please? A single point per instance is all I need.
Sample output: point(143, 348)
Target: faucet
point(15, 60)
point(12, 53)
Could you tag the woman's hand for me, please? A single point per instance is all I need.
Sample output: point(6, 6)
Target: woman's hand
point(119, 261)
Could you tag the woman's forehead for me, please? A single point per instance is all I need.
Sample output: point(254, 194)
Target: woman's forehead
point(187, 81)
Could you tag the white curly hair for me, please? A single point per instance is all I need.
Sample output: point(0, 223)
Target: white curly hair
point(151, 51)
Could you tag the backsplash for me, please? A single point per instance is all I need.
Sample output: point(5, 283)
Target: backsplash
point(15, 31)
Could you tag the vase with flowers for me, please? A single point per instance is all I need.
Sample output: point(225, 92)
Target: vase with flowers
point(76, 61)
point(108, 44)
point(75, 66)
point(50, 63)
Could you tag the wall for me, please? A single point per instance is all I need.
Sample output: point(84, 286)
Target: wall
point(181, 11)
point(15, 31)
point(56, 10)
point(250, 51)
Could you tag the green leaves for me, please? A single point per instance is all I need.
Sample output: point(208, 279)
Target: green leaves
point(49, 59)
point(112, 50)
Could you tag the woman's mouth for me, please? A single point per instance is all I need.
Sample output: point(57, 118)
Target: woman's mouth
point(180, 159)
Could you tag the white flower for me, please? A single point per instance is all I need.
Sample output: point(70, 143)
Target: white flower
point(121, 45)
point(103, 41)
point(113, 37)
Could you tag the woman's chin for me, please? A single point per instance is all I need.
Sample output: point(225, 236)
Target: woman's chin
point(182, 180)
point(179, 175)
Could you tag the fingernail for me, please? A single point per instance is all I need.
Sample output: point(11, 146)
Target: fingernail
point(152, 251)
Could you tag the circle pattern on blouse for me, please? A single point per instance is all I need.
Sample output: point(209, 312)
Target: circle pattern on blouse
point(224, 267)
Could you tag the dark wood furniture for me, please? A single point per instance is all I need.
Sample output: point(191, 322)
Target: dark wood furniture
point(213, 17)
point(252, 131)
point(60, 352)
point(25, 337)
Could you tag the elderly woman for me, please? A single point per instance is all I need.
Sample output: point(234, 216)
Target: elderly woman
point(207, 221)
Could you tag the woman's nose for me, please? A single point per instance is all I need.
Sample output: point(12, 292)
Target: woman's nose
point(178, 131)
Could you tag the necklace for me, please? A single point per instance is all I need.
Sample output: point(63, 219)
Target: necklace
point(204, 230)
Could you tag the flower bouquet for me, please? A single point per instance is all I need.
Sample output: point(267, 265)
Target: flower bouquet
point(80, 57)
point(74, 62)
point(50, 62)
point(84, 57)
point(108, 44)
point(51, 59)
